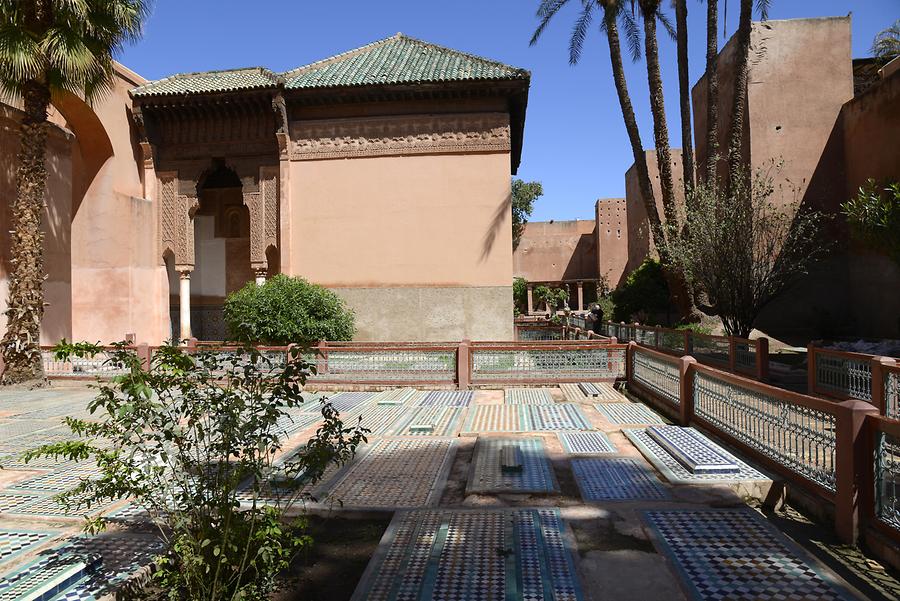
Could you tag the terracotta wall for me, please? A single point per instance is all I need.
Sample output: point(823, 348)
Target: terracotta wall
point(387, 232)
point(612, 240)
point(552, 251)
point(57, 321)
point(640, 240)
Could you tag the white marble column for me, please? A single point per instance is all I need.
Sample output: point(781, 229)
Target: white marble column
point(580, 296)
point(184, 304)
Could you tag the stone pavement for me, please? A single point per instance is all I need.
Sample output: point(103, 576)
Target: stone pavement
point(530, 494)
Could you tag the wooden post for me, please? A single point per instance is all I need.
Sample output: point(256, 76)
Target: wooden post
point(530, 299)
point(322, 358)
point(878, 399)
point(686, 389)
point(851, 462)
point(732, 355)
point(810, 369)
point(464, 365)
point(762, 359)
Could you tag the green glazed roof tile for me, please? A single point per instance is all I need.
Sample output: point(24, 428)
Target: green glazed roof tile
point(395, 60)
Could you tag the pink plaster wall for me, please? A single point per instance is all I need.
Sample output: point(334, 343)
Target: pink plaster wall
point(551, 251)
point(426, 220)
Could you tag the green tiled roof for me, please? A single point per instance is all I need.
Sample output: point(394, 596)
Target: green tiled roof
point(399, 60)
point(209, 81)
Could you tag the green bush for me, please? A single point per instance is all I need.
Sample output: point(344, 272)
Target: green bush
point(287, 310)
point(643, 296)
point(874, 216)
point(520, 295)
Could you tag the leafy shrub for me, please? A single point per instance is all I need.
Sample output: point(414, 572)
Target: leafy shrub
point(520, 295)
point(552, 297)
point(644, 294)
point(874, 216)
point(287, 310)
point(181, 438)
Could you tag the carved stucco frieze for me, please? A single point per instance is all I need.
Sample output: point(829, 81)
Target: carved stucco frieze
point(383, 136)
point(263, 209)
point(176, 227)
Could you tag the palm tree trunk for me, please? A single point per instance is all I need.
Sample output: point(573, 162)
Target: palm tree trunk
point(739, 102)
point(21, 343)
point(684, 88)
point(712, 90)
point(660, 128)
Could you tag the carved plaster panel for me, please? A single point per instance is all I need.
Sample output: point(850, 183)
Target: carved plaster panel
point(176, 227)
point(263, 209)
point(382, 136)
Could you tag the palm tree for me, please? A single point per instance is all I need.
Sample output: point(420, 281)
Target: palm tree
point(886, 45)
point(48, 46)
point(684, 90)
point(612, 13)
point(712, 90)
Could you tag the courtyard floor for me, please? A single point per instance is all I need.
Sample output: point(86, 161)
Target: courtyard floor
point(539, 493)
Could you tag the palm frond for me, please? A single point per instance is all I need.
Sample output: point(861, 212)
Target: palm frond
point(632, 32)
point(762, 7)
point(886, 45)
point(547, 9)
point(667, 24)
point(579, 31)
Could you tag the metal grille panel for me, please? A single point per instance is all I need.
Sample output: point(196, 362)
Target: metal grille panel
point(490, 365)
point(656, 375)
point(844, 377)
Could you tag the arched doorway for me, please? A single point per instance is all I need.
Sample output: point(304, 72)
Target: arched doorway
point(221, 249)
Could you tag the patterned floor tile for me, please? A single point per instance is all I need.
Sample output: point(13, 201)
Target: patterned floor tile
point(59, 480)
point(378, 419)
point(447, 398)
point(497, 418)
point(12, 501)
point(616, 479)
point(676, 473)
point(734, 554)
point(472, 554)
point(693, 450)
point(536, 474)
point(442, 421)
point(586, 443)
point(407, 472)
point(112, 559)
point(628, 413)
point(562, 416)
point(11, 428)
point(528, 396)
point(49, 507)
point(15, 542)
point(399, 396)
point(572, 393)
point(345, 401)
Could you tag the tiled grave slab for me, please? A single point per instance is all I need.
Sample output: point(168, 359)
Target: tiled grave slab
point(693, 450)
point(398, 472)
point(462, 555)
point(572, 393)
point(562, 416)
point(628, 413)
point(734, 554)
point(616, 479)
point(344, 401)
point(676, 473)
point(16, 542)
point(398, 396)
point(497, 418)
point(10, 428)
point(607, 392)
point(487, 475)
point(93, 566)
point(528, 396)
point(59, 480)
point(586, 443)
point(447, 398)
point(48, 506)
point(378, 419)
point(294, 420)
point(443, 421)
point(12, 501)
point(589, 389)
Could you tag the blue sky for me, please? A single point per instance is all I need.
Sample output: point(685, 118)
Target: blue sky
point(575, 142)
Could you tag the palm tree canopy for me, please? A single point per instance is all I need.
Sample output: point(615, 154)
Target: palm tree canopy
point(547, 9)
point(887, 43)
point(65, 44)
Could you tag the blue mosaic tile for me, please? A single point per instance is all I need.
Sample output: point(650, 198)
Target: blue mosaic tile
point(344, 401)
point(11, 501)
point(563, 416)
point(586, 443)
point(429, 421)
point(674, 472)
point(94, 566)
point(378, 419)
point(59, 480)
point(536, 474)
point(447, 398)
point(616, 479)
point(734, 554)
point(528, 396)
point(628, 413)
point(464, 555)
point(15, 542)
point(497, 418)
point(693, 450)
